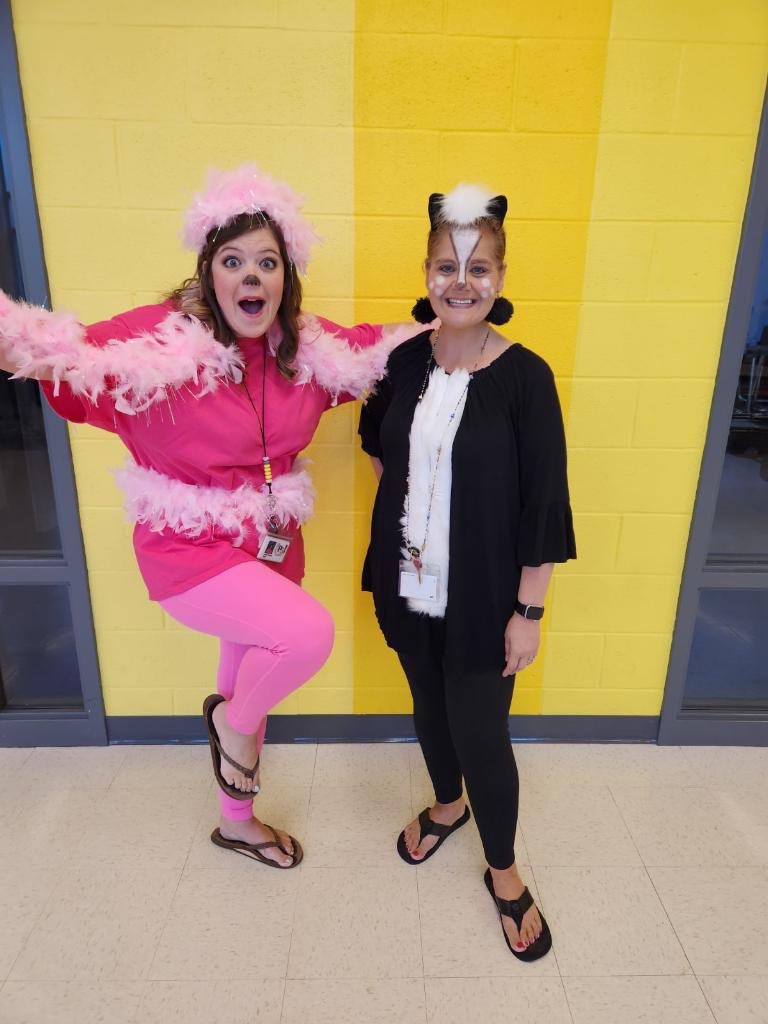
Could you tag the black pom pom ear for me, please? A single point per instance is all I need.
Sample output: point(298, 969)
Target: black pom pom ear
point(500, 312)
point(422, 312)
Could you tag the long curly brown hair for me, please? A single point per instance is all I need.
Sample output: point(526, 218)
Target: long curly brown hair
point(196, 296)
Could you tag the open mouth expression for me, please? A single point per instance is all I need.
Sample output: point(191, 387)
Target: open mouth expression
point(248, 276)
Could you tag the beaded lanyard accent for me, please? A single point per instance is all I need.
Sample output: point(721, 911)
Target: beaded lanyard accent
point(417, 553)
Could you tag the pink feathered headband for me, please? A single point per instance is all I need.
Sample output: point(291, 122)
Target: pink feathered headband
point(247, 190)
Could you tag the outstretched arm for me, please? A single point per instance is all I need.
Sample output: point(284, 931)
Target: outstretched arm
point(348, 361)
point(396, 334)
point(132, 361)
point(16, 321)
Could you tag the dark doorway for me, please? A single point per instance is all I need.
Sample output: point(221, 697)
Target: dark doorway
point(50, 691)
point(717, 685)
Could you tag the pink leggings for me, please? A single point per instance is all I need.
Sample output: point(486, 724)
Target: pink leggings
point(274, 637)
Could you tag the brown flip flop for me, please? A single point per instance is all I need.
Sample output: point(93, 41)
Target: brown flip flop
point(217, 753)
point(253, 850)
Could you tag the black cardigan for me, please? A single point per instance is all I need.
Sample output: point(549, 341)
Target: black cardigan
point(509, 498)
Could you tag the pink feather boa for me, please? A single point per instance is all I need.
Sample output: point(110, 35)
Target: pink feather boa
point(181, 352)
point(335, 366)
point(162, 503)
point(135, 373)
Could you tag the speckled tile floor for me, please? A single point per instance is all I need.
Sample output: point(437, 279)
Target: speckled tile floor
point(651, 865)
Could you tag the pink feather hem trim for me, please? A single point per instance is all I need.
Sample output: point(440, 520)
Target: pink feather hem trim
point(162, 503)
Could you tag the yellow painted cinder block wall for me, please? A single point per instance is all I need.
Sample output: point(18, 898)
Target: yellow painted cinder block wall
point(623, 134)
point(127, 105)
point(516, 106)
point(682, 97)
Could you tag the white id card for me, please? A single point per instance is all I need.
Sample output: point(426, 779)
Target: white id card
point(273, 548)
point(426, 589)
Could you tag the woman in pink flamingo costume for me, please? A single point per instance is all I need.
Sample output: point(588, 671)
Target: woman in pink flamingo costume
point(214, 392)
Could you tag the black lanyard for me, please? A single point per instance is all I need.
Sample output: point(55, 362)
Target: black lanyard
point(274, 523)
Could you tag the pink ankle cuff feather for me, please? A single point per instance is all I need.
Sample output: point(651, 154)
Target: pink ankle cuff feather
point(161, 503)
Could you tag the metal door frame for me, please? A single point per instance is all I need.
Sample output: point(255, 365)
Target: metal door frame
point(46, 728)
point(719, 726)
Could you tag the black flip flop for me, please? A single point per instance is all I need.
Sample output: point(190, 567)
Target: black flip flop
point(430, 828)
point(516, 909)
point(253, 850)
point(217, 753)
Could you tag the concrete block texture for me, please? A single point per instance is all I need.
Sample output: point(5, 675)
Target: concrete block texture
point(623, 134)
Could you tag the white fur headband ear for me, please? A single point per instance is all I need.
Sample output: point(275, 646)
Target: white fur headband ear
point(466, 205)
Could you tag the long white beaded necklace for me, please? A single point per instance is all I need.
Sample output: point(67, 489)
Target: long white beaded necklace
point(417, 553)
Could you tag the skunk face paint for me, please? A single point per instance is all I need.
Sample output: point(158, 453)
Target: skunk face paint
point(464, 244)
point(463, 279)
point(438, 286)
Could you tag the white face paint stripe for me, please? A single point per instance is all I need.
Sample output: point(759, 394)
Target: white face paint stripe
point(464, 241)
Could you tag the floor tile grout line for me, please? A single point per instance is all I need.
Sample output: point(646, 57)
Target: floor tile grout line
point(715, 1019)
point(630, 977)
point(666, 914)
point(418, 893)
point(565, 995)
point(293, 921)
point(138, 1016)
point(314, 769)
point(299, 885)
point(38, 918)
point(650, 879)
point(541, 910)
point(285, 986)
point(625, 823)
point(165, 922)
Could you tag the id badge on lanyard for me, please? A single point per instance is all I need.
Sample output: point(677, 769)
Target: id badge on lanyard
point(273, 547)
point(422, 583)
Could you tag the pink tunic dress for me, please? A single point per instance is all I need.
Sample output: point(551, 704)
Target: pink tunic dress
point(212, 440)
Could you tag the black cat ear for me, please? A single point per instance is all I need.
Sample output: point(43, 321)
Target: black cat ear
point(501, 311)
point(422, 311)
point(435, 208)
point(497, 207)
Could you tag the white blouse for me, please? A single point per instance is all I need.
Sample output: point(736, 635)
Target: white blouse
point(435, 422)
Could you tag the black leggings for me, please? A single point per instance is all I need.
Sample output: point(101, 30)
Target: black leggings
point(462, 723)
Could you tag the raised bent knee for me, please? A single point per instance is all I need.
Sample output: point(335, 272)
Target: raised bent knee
point(317, 633)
